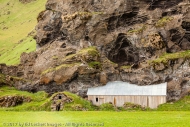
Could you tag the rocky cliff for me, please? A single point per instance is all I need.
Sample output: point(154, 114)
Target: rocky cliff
point(87, 43)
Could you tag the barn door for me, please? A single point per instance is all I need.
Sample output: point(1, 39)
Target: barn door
point(101, 101)
point(147, 101)
point(114, 101)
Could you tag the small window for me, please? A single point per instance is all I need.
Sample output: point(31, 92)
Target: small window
point(60, 97)
point(96, 99)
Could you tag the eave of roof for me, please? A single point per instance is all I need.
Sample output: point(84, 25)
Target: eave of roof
point(124, 88)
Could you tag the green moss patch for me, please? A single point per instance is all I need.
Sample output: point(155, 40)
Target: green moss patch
point(163, 21)
point(95, 64)
point(59, 67)
point(125, 67)
point(140, 30)
point(86, 54)
point(170, 56)
point(107, 62)
point(90, 50)
point(83, 54)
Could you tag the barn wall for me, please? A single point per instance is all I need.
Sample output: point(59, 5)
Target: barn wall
point(145, 101)
point(154, 101)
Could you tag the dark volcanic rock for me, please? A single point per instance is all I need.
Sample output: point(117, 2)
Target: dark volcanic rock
point(162, 3)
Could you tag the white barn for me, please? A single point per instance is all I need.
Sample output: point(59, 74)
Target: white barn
point(119, 92)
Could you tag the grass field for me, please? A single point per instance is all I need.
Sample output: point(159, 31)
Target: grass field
point(17, 20)
point(105, 119)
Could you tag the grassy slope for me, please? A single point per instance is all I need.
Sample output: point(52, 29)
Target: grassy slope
point(20, 22)
point(181, 105)
point(109, 119)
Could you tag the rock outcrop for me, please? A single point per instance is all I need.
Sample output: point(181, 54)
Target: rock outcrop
point(11, 101)
point(88, 43)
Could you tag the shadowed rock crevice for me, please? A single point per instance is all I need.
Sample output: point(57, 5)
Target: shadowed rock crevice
point(123, 52)
point(186, 25)
point(163, 4)
point(180, 40)
point(50, 30)
point(125, 19)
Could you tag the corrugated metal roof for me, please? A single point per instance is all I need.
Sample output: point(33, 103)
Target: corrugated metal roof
point(124, 88)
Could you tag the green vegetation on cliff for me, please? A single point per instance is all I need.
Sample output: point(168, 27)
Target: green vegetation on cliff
point(17, 20)
point(171, 56)
point(137, 31)
point(59, 67)
point(125, 67)
point(84, 54)
point(163, 21)
point(95, 64)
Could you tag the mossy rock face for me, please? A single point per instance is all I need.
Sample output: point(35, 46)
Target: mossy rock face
point(137, 31)
point(167, 57)
point(84, 55)
point(95, 64)
point(2, 79)
point(11, 101)
point(125, 67)
point(84, 61)
point(80, 15)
